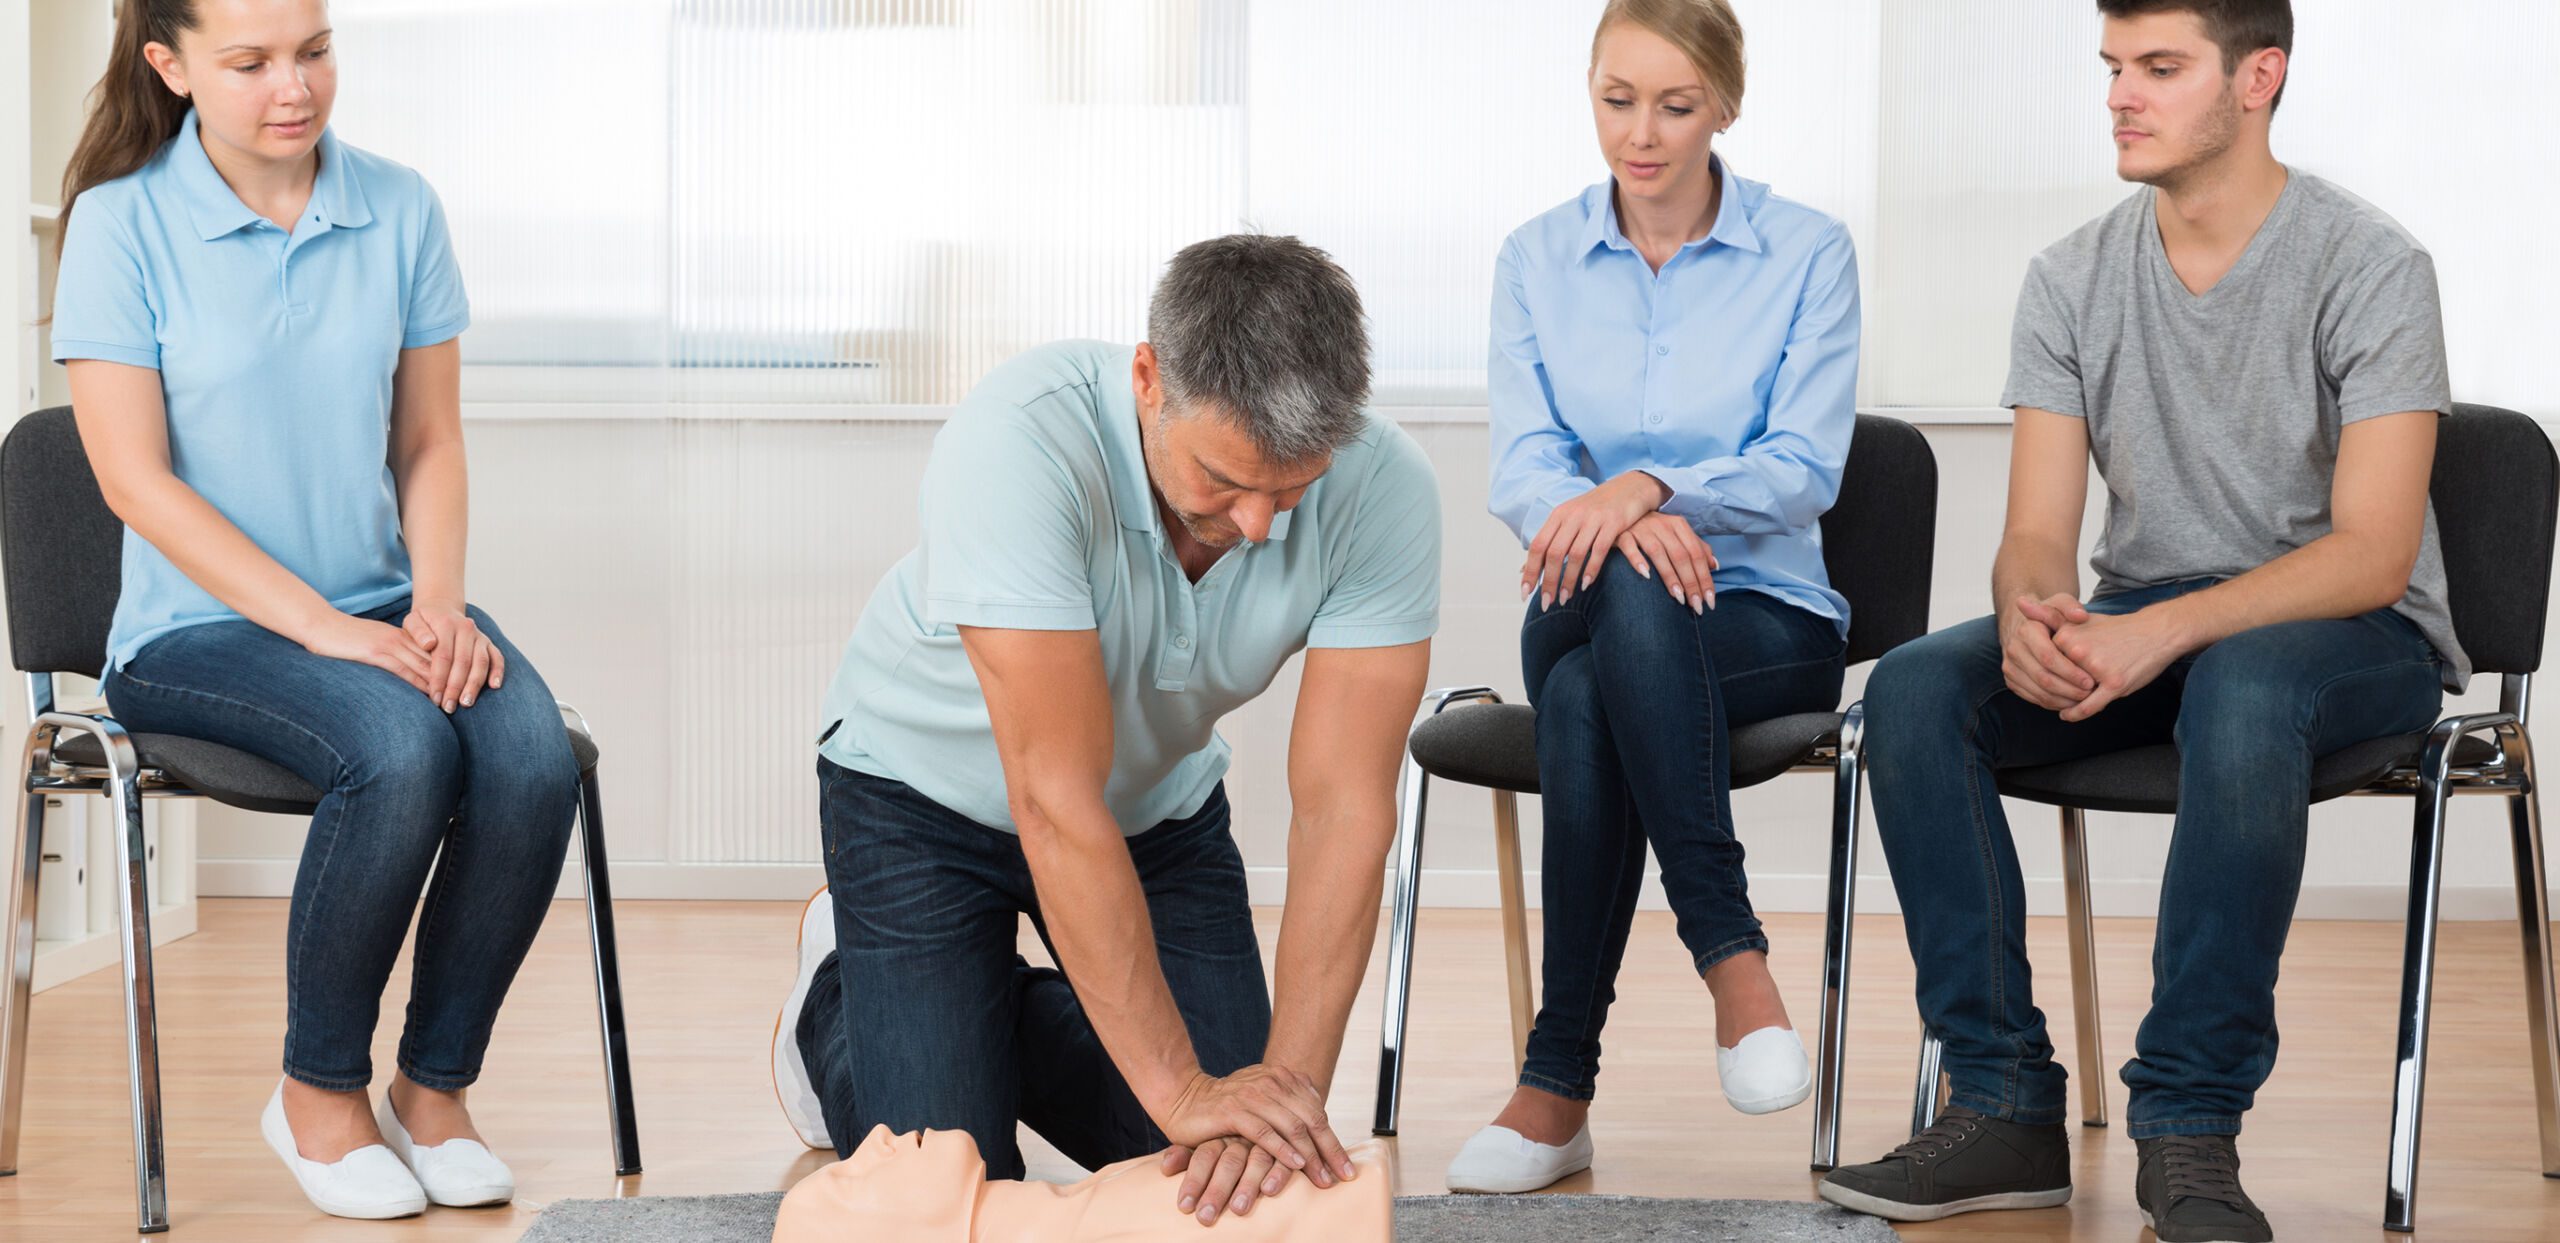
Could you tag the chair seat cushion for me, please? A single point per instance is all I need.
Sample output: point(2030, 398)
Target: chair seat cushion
point(1497, 745)
point(232, 776)
point(2145, 779)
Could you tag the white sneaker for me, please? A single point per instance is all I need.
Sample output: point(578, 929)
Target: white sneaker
point(1765, 1071)
point(458, 1173)
point(369, 1183)
point(1502, 1161)
point(790, 1074)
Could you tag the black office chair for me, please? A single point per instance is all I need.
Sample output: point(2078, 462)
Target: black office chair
point(64, 556)
point(2496, 490)
point(1877, 545)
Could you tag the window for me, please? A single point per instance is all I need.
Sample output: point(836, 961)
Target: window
point(723, 205)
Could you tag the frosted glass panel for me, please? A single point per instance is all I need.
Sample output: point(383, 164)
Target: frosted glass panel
point(2438, 115)
point(542, 124)
point(728, 203)
point(1995, 145)
point(1412, 147)
point(885, 198)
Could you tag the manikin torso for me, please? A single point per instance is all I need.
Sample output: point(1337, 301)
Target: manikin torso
point(931, 1187)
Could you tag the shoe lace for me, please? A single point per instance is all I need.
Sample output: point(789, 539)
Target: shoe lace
point(2203, 1167)
point(1944, 1136)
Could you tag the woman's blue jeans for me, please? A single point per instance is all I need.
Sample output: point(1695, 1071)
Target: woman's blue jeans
point(1635, 695)
point(483, 798)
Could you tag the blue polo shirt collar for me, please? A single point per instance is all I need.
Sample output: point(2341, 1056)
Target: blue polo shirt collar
point(1125, 456)
point(337, 201)
point(1733, 215)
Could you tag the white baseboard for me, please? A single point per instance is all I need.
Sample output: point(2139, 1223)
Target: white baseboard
point(1458, 888)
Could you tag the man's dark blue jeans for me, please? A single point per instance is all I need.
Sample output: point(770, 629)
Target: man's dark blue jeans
point(2248, 715)
point(1636, 694)
point(925, 1016)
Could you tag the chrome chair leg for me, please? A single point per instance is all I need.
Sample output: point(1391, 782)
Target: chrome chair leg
point(1412, 789)
point(141, 1002)
point(2092, 1070)
point(1930, 1094)
point(22, 955)
point(1831, 1037)
point(608, 968)
point(2533, 916)
point(2417, 978)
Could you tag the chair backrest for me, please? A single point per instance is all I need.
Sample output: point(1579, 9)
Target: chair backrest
point(1880, 538)
point(2496, 492)
point(61, 548)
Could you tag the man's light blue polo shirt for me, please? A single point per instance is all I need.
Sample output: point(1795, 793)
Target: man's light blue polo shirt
point(275, 356)
point(1038, 515)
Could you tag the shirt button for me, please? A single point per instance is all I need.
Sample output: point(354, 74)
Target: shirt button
point(1655, 418)
point(1662, 349)
point(1182, 640)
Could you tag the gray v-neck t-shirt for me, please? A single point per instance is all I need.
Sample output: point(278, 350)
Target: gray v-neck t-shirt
point(2215, 417)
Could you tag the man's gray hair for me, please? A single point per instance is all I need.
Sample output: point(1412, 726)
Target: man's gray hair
point(1267, 332)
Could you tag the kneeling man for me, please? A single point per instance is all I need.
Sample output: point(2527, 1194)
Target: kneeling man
point(1120, 546)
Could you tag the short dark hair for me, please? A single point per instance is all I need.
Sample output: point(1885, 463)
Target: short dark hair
point(1268, 332)
point(2238, 27)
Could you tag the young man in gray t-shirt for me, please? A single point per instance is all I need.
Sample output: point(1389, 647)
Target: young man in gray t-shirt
point(2254, 358)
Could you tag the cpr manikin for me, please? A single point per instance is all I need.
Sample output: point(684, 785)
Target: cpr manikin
point(931, 1187)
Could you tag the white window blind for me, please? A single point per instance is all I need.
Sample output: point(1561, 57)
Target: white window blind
point(732, 203)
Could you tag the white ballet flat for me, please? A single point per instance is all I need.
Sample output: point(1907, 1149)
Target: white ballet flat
point(458, 1173)
point(790, 1074)
point(1500, 1161)
point(369, 1183)
point(1765, 1071)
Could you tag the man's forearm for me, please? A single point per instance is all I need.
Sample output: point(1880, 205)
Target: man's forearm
point(2037, 569)
point(1096, 914)
point(1336, 865)
point(2337, 575)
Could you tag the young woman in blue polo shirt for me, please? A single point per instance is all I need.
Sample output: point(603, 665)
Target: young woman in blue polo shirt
point(261, 323)
point(1673, 369)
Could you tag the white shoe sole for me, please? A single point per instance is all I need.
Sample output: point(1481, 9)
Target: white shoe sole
point(1467, 1185)
point(1788, 1099)
point(1508, 1172)
point(279, 1136)
point(396, 1137)
point(791, 1087)
point(1895, 1210)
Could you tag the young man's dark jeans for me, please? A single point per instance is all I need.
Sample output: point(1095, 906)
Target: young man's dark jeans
point(925, 1016)
point(2248, 715)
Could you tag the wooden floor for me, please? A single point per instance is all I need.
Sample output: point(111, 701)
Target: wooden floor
point(703, 980)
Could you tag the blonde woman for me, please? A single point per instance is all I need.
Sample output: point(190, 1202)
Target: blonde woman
point(1674, 358)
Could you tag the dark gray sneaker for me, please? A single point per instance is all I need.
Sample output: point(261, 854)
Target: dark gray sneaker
point(2189, 1192)
point(1963, 1163)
